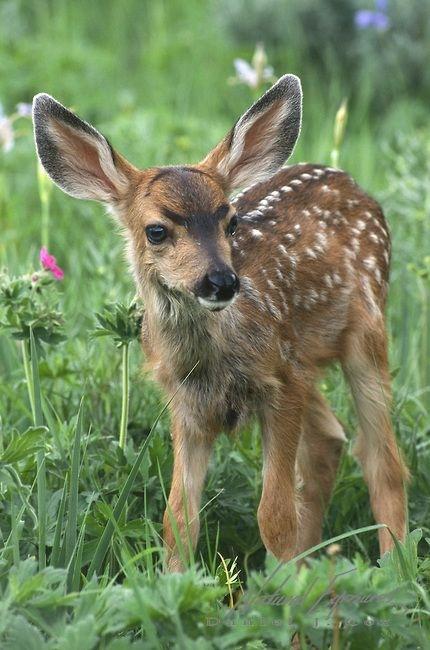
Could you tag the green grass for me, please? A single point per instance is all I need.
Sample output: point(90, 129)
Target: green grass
point(153, 78)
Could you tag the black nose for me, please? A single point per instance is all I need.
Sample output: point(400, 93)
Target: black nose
point(220, 285)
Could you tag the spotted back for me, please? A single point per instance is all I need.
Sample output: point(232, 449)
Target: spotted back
point(308, 237)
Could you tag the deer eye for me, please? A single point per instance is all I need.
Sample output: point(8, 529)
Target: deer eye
point(156, 233)
point(232, 226)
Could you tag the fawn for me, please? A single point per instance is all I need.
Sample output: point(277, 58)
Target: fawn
point(261, 292)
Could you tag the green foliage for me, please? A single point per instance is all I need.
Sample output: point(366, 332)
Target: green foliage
point(122, 322)
point(30, 301)
point(25, 444)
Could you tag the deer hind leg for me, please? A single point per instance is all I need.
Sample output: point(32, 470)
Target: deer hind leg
point(318, 459)
point(366, 368)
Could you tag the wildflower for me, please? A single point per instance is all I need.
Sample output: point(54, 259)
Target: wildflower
point(23, 109)
point(366, 18)
point(7, 137)
point(50, 264)
point(256, 73)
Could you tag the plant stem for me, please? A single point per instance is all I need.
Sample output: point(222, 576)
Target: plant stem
point(41, 469)
point(45, 224)
point(334, 158)
point(15, 531)
point(28, 377)
point(125, 396)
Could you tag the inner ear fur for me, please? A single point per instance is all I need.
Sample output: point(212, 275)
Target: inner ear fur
point(262, 139)
point(77, 157)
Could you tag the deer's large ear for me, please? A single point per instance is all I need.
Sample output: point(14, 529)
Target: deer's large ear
point(262, 139)
point(76, 156)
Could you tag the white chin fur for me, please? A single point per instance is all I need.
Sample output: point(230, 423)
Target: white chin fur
point(214, 305)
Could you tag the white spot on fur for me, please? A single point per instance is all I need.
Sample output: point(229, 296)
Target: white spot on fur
point(352, 203)
point(294, 260)
point(321, 238)
point(283, 250)
point(355, 245)
point(313, 295)
point(378, 276)
point(257, 234)
point(370, 263)
point(328, 281)
point(296, 181)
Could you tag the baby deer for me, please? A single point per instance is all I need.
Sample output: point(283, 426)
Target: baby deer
point(259, 293)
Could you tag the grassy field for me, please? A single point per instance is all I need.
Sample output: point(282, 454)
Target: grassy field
point(77, 570)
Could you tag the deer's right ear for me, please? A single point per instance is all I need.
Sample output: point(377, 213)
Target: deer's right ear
point(76, 156)
point(262, 139)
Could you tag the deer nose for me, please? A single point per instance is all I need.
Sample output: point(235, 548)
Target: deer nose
point(220, 285)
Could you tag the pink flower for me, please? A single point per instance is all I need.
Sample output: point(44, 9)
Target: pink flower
point(50, 264)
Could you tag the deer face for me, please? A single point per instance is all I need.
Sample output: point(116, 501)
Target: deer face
point(178, 220)
point(182, 233)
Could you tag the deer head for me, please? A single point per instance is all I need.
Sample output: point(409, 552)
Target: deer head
point(178, 220)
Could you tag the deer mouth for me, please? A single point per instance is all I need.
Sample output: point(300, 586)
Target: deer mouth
point(215, 305)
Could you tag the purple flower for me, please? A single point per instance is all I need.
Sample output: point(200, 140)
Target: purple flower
point(381, 5)
point(377, 19)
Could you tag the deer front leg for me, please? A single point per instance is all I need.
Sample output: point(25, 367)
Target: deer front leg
point(181, 518)
point(277, 515)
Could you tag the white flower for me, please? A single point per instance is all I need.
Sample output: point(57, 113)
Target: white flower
point(245, 73)
point(23, 109)
point(253, 74)
point(7, 137)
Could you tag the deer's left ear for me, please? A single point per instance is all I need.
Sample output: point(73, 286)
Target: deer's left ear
point(262, 139)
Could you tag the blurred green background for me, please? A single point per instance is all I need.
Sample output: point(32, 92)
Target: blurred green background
point(156, 79)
